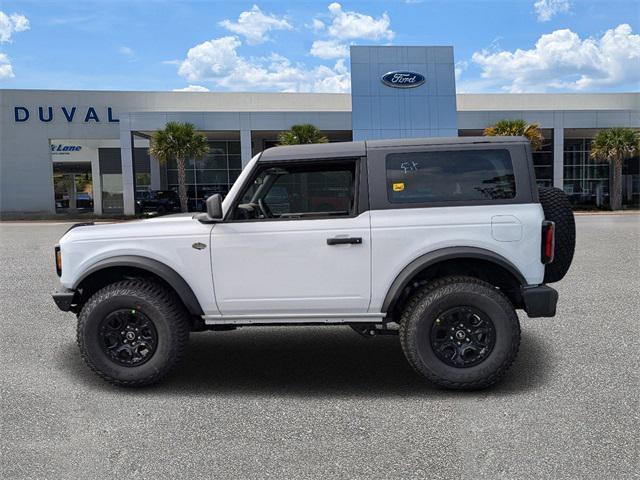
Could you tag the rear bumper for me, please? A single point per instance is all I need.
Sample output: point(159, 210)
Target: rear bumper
point(540, 301)
point(66, 300)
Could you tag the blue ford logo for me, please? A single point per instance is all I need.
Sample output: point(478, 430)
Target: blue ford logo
point(401, 79)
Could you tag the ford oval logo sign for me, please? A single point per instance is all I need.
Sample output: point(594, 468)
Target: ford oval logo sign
point(401, 79)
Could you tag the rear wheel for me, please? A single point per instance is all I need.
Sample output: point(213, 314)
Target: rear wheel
point(460, 333)
point(133, 333)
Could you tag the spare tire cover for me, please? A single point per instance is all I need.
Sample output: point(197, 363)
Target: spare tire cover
point(557, 209)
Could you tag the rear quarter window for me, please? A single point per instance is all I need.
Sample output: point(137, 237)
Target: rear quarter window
point(450, 176)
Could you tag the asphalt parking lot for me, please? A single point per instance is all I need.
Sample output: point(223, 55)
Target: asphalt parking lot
point(320, 402)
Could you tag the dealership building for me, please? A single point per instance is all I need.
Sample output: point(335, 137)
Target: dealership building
point(77, 151)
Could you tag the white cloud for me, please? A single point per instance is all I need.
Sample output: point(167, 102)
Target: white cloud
point(317, 25)
point(212, 59)
point(10, 24)
point(562, 60)
point(255, 24)
point(334, 80)
point(192, 88)
point(328, 49)
point(6, 70)
point(547, 9)
point(347, 25)
point(218, 61)
point(127, 51)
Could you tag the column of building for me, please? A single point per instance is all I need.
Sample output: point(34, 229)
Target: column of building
point(558, 150)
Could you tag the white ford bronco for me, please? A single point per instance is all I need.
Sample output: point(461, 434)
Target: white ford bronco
point(437, 240)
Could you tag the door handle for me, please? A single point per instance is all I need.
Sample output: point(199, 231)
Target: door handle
point(344, 240)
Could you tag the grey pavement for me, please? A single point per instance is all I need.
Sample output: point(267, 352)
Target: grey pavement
point(322, 402)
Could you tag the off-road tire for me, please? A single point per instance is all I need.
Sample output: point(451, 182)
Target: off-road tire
point(424, 307)
point(156, 302)
point(557, 208)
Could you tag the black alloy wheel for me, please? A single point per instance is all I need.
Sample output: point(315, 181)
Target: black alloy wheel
point(462, 336)
point(128, 337)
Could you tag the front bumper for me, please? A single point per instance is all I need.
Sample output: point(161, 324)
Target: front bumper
point(540, 301)
point(66, 300)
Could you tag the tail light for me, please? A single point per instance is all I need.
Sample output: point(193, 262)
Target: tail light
point(548, 241)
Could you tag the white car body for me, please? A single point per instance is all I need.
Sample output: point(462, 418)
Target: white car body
point(284, 271)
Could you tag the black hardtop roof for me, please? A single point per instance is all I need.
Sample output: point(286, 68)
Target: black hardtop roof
point(359, 149)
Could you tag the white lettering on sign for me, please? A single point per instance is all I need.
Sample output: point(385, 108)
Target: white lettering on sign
point(403, 78)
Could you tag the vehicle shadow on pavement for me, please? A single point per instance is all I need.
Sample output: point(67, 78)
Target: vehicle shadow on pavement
point(311, 361)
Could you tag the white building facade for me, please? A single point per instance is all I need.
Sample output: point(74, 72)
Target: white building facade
point(86, 151)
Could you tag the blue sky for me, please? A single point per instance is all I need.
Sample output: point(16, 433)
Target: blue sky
point(500, 46)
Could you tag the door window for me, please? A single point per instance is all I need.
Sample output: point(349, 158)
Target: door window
point(311, 190)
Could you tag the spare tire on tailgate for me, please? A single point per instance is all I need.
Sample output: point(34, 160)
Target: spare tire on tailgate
point(557, 209)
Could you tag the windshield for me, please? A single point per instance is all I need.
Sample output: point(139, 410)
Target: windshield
point(226, 203)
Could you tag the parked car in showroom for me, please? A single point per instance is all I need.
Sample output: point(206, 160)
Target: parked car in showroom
point(158, 201)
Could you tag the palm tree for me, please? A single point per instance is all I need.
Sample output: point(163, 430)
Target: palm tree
point(615, 145)
point(179, 141)
point(517, 127)
point(300, 134)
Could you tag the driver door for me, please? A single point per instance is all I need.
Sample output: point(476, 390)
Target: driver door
point(299, 242)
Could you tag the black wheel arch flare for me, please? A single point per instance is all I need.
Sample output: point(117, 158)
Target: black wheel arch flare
point(166, 273)
point(435, 257)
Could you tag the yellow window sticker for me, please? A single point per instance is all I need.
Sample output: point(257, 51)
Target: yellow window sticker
point(398, 187)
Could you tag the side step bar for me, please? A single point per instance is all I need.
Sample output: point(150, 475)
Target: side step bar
point(294, 319)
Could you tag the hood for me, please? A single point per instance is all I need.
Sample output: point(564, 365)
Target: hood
point(176, 224)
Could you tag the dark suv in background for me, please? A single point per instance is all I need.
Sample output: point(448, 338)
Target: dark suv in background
point(159, 201)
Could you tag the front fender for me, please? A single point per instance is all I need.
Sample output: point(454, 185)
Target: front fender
point(168, 274)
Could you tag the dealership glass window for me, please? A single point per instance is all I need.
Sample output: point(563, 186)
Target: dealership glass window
point(143, 182)
point(631, 183)
point(111, 179)
point(215, 173)
point(450, 176)
point(543, 160)
point(586, 181)
point(142, 169)
point(112, 201)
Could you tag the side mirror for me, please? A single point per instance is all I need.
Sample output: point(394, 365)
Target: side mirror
point(214, 207)
point(214, 210)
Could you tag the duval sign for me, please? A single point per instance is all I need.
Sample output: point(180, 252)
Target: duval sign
point(47, 114)
point(403, 79)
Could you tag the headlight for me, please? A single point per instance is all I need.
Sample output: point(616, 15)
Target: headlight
point(58, 261)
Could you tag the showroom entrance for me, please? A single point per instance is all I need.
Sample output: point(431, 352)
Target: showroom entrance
point(87, 176)
point(73, 176)
point(73, 187)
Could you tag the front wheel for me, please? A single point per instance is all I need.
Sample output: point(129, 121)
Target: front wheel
point(460, 333)
point(132, 333)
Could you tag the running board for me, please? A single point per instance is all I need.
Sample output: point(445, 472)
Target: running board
point(294, 319)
